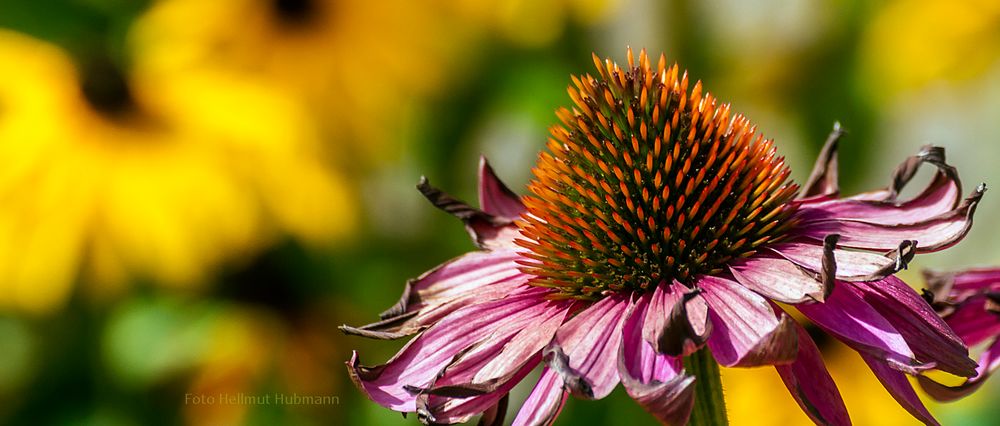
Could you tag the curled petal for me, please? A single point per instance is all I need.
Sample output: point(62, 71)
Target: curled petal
point(929, 337)
point(973, 322)
point(487, 231)
point(585, 350)
point(853, 321)
point(809, 382)
point(989, 362)
point(900, 388)
point(745, 330)
point(779, 279)
point(687, 327)
point(822, 181)
point(941, 195)
point(472, 277)
point(495, 197)
point(545, 401)
point(437, 408)
point(958, 286)
point(851, 265)
point(662, 301)
point(651, 378)
point(423, 358)
point(933, 234)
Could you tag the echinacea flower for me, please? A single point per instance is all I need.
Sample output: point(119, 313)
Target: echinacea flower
point(656, 226)
point(969, 301)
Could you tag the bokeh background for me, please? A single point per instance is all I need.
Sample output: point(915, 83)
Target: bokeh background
point(195, 194)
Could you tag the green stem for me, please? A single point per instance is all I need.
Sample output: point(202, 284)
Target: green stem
point(709, 403)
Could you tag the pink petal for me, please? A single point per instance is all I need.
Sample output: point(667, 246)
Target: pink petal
point(422, 359)
point(941, 195)
point(851, 265)
point(854, 321)
point(589, 342)
point(650, 378)
point(978, 279)
point(473, 277)
point(809, 382)
point(989, 361)
point(545, 401)
point(933, 234)
point(488, 231)
point(900, 388)
point(929, 337)
point(677, 329)
point(496, 198)
point(745, 329)
point(972, 322)
point(778, 279)
point(459, 409)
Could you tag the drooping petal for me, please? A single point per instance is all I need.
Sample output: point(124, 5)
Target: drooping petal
point(940, 196)
point(424, 357)
point(973, 322)
point(989, 361)
point(585, 350)
point(822, 181)
point(681, 325)
point(927, 335)
point(495, 197)
point(653, 379)
point(809, 382)
point(459, 407)
point(488, 231)
point(545, 401)
point(900, 388)
point(853, 321)
point(475, 276)
point(933, 234)
point(745, 330)
point(851, 265)
point(778, 279)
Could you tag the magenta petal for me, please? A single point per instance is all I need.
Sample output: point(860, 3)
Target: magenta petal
point(809, 382)
point(661, 301)
point(496, 198)
point(972, 322)
point(473, 277)
point(649, 377)
point(933, 234)
point(854, 321)
point(745, 329)
point(940, 197)
point(590, 343)
point(545, 401)
point(681, 325)
point(423, 358)
point(900, 388)
point(778, 279)
point(851, 265)
point(461, 408)
point(989, 362)
point(488, 231)
point(929, 337)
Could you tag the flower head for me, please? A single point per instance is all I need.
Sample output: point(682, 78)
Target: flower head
point(656, 226)
point(969, 301)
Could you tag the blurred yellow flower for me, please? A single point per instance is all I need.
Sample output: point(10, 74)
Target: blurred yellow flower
point(359, 63)
point(912, 43)
point(164, 180)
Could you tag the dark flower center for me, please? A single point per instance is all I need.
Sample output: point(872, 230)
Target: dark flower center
point(105, 88)
point(645, 182)
point(294, 11)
